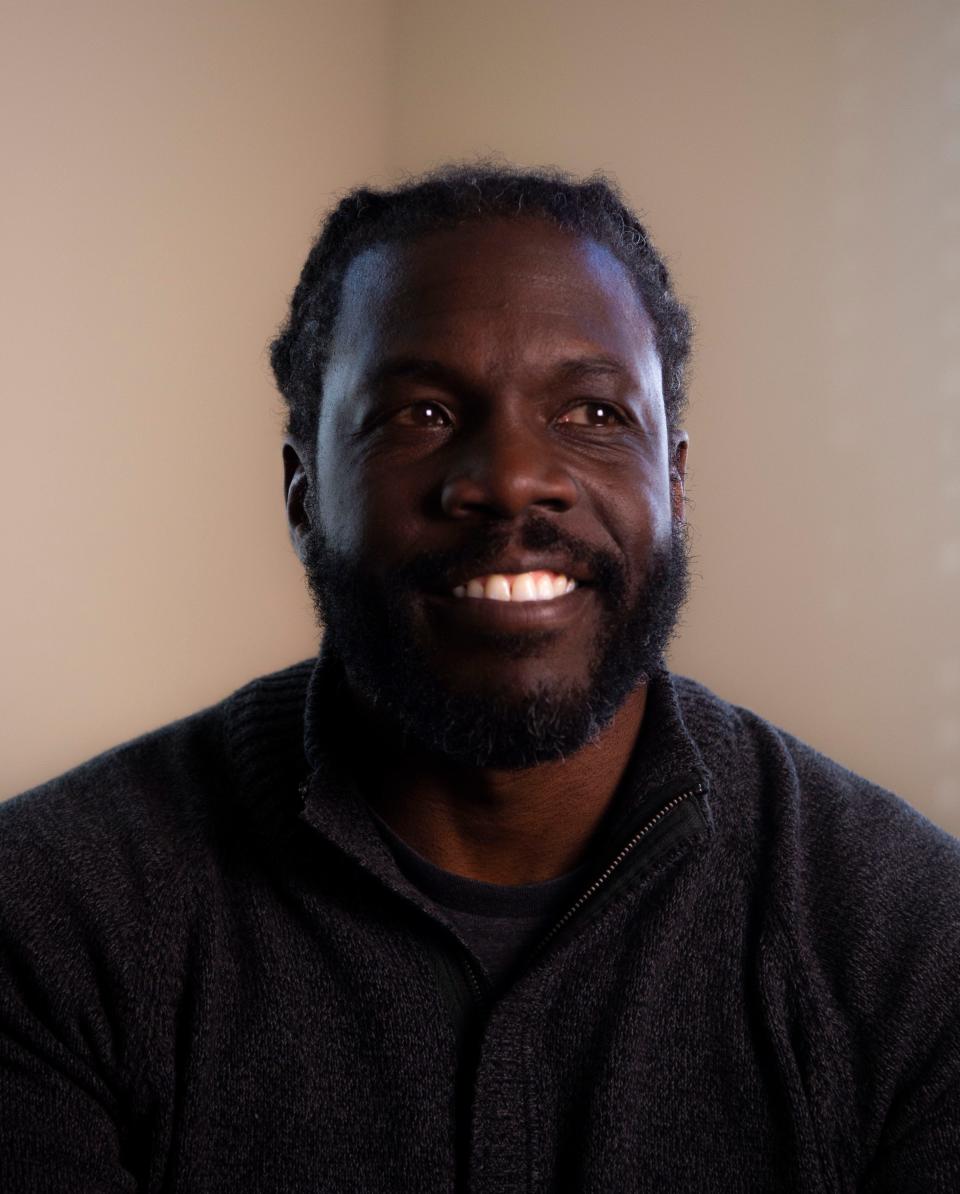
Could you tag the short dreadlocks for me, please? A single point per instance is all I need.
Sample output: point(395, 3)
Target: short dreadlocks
point(444, 198)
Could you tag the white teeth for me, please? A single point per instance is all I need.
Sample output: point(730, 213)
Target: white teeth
point(523, 586)
point(496, 588)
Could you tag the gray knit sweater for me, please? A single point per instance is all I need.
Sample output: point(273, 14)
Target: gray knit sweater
point(214, 977)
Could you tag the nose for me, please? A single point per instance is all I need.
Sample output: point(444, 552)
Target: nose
point(505, 469)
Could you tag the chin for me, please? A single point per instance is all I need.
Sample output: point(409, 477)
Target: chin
point(513, 681)
point(519, 715)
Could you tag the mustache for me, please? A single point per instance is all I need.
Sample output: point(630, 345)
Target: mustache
point(487, 544)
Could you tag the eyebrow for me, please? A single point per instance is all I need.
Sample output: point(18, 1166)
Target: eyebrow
point(426, 369)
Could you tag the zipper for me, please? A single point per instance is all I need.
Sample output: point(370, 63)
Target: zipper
point(618, 861)
point(470, 967)
point(475, 982)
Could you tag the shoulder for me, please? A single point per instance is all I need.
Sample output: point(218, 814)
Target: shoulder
point(857, 893)
point(144, 812)
point(786, 787)
point(108, 871)
point(849, 869)
point(140, 791)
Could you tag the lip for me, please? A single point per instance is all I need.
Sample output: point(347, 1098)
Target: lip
point(480, 615)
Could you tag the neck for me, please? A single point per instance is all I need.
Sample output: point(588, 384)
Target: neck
point(507, 827)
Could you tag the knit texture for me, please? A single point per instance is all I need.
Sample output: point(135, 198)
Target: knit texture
point(214, 977)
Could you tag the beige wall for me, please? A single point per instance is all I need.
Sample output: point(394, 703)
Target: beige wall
point(168, 163)
point(800, 165)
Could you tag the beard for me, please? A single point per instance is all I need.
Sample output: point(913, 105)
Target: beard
point(369, 627)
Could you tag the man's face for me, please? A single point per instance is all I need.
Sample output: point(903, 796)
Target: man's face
point(492, 424)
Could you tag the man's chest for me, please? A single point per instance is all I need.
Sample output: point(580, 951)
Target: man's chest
point(325, 1056)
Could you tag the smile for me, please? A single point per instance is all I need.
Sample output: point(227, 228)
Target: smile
point(482, 616)
point(518, 586)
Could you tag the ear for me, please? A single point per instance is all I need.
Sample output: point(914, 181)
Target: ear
point(296, 486)
point(679, 441)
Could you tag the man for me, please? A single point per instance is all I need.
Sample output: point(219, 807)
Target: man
point(484, 900)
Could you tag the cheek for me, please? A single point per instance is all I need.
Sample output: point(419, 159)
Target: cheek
point(342, 495)
point(340, 506)
point(366, 513)
point(341, 492)
point(661, 512)
point(653, 498)
point(636, 508)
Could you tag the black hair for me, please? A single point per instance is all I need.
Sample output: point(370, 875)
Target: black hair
point(445, 198)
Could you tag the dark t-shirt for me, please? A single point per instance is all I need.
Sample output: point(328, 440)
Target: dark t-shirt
point(498, 922)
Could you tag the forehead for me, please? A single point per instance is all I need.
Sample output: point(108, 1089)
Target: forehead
point(524, 281)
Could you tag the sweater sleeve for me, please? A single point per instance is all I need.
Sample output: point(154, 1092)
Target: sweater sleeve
point(863, 894)
point(919, 1144)
point(59, 1119)
point(62, 1010)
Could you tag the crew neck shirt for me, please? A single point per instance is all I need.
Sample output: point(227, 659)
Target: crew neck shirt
point(499, 923)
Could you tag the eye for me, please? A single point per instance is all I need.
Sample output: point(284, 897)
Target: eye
point(592, 414)
point(430, 415)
